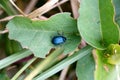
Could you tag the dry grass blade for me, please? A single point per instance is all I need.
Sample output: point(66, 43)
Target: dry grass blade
point(63, 73)
point(75, 7)
point(30, 6)
point(5, 31)
point(59, 3)
point(8, 18)
point(56, 5)
point(17, 8)
point(42, 9)
point(59, 7)
point(11, 17)
point(1, 11)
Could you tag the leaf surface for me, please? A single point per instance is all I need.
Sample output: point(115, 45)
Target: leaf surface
point(37, 35)
point(116, 4)
point(96, 24)
point(85, 68)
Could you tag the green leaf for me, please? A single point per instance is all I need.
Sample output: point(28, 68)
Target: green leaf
point(104, 70)
point(61, 65)
point(85, 68)
point(37, 35)
point(13, 58)
point(116, 4)
point(96, 24)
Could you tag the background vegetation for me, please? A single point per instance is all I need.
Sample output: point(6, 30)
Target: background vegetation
point(90, 51)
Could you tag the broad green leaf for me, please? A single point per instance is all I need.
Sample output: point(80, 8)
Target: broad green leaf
point(61, 65)
point(116, 4)
point(104, 70)
point(13, 58)
point(37, 35)
point(5, 4)
point(85, 68)
point(96, 24)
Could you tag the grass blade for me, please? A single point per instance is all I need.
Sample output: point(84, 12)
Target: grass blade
point(61, 65)
point(13, 58)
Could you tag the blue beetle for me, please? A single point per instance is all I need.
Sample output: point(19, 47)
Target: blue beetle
point(57, 40)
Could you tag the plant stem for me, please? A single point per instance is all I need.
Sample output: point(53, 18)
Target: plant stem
point(49, 61)
point(5, 4)
point(13, 58)
point(64, 63)
point(23, 68)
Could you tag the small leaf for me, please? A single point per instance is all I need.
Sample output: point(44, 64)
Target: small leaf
point(104, 70)
point(114, 54)
point(96, 24)
point(37, 35)
point(85, 68)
